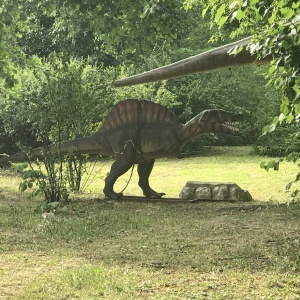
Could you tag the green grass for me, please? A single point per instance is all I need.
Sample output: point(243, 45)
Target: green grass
point(98, 249)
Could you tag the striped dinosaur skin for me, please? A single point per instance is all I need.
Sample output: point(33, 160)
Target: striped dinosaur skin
point(138, 132)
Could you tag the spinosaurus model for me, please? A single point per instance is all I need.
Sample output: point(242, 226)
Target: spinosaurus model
point(138, 132)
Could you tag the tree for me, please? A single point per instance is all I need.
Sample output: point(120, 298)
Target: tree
point(13, 21)
point(59, 100)
point(110, 31)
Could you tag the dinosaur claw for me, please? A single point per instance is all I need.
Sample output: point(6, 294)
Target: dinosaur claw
point(161, 194)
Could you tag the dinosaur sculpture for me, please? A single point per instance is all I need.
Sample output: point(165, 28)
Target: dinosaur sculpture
point(217, 58)
point(138, 132)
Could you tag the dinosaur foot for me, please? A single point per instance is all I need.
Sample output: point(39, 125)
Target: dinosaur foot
point(113, 195)
point(153, 194)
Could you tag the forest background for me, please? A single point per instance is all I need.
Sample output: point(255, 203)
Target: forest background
point(58, 59)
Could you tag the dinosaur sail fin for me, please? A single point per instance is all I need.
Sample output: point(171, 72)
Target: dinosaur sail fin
point(130, 111)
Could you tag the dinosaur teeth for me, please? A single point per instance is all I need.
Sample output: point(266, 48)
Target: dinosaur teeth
point(230, 126)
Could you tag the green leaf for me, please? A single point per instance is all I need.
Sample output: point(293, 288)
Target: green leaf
point(222, 20)
point(263, 165)
point(23, 186)
point(272, 19)
point(281, 3)
point(220, 12)
point(287, 12)
point(173, 35)
point(296, 4)
point(265, 129)
point(271, 70)
point(289, 119)
point(240, 15)
point(273, 164)
point(284, 109)
point(297, 108)
point(204, 11)
point(292, 157)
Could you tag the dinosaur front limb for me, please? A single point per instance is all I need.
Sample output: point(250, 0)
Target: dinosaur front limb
point(144, 171)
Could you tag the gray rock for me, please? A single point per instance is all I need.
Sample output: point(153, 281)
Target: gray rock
point(214, 191)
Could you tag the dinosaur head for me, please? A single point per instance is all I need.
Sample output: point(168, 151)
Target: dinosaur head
point(219, 121)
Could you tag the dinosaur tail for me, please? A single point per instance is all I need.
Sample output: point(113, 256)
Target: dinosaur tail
point(19, 157)
point(86, 145)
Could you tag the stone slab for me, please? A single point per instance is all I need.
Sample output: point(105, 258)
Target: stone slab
point(223, 191)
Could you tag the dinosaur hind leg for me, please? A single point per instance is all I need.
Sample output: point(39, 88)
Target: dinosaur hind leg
point(122, 164)
point(144, 171)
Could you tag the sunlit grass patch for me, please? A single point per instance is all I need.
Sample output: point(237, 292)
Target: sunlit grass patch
point(85, 282)
point(66, 280)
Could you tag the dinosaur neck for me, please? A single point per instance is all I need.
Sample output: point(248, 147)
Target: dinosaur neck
point(192, 130)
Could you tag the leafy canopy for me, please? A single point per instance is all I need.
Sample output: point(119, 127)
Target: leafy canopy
point(85, 28)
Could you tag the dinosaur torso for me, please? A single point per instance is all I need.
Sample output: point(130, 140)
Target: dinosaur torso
point(153, 130)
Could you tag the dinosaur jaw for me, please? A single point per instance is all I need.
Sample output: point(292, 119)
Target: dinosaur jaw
point(218, 127)
point(226, 127)
point(219, 121)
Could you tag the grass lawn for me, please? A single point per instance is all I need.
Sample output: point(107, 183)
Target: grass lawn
point(100, 249)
